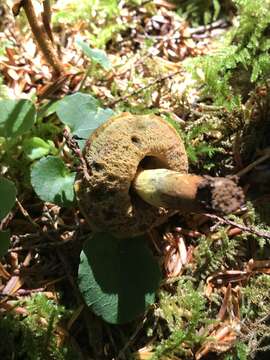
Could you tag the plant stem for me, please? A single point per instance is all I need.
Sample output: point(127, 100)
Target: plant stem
point(42, 38)
point(46, 18)
point(186, 192)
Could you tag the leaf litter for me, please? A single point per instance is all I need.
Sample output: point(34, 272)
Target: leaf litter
point(45, 235)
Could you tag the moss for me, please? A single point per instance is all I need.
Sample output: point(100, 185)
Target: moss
point(35, 336)
point(214, 253)
point(257, 298)
point(242, 59)
point(185, 312)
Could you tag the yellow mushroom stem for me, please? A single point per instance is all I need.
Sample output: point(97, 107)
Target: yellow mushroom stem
point(188, 193)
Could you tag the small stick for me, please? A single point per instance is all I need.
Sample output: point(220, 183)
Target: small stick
point(26, 214)
point(42, 38)
point(131, 339)
point(255, 163)
point(46, 18)
point(214, 25)
point(136, 92)
point(73, 145)
point(249, 229)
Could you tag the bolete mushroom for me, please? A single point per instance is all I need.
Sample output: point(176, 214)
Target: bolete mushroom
point(138, 177)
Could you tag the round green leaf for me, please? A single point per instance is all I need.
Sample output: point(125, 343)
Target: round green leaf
point(4, 242)
point(52, 181)
point(16, 117)
point(82, 114)
point(118, 277)
point(7, 196)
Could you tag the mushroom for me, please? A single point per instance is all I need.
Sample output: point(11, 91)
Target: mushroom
point(138, 178)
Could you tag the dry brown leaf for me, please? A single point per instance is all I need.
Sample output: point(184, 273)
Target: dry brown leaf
point(176, 254)
point(143, 354)
point(14, 284)
point(220, 340)
point(258, 265)
point(4, 273)
point(12, 306)
point(222, 336)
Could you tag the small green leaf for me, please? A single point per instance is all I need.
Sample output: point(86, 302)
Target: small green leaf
point(82, 114)
point(35, 148)
point(7, 196)
point(47, 109)
point(52, 181)
point(16, 117)
point(96, 55)
point(118, 277)
point(255, 72)
point(4, 242)
point(217, 8)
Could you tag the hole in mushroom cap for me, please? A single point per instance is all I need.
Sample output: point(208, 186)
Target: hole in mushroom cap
point(121, 147)
point(147, 163)
point(135, 140)
point(97, 166)
point(152, 162)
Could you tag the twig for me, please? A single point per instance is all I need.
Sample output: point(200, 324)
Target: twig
point(47, 245)
point(200, 32)
point(46, 18)
point(26, 214)
point(4, 223)
point(136, 92)
point(210, 108)
point(26, 292)
point(72, 144)
point(131, 339)
point(249, 229)
point(255, 163)
point(215, 25)
point(42, 38)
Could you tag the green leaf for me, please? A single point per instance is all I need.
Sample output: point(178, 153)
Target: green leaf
point(217, 8)
point(7, 196)
point(82, 114)
point(35, 148)
point(96, 55)
point(52, 181)
point(4, 242)
point(192, 154)
point(118, 277)
point(16, 117)
point(47, 109)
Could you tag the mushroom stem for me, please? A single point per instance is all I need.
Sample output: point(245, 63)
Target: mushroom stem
point(189, 193)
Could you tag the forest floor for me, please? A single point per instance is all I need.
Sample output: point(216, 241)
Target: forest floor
point(214, 301)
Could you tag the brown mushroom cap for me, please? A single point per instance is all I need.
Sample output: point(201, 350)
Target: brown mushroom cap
point(113, 154)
